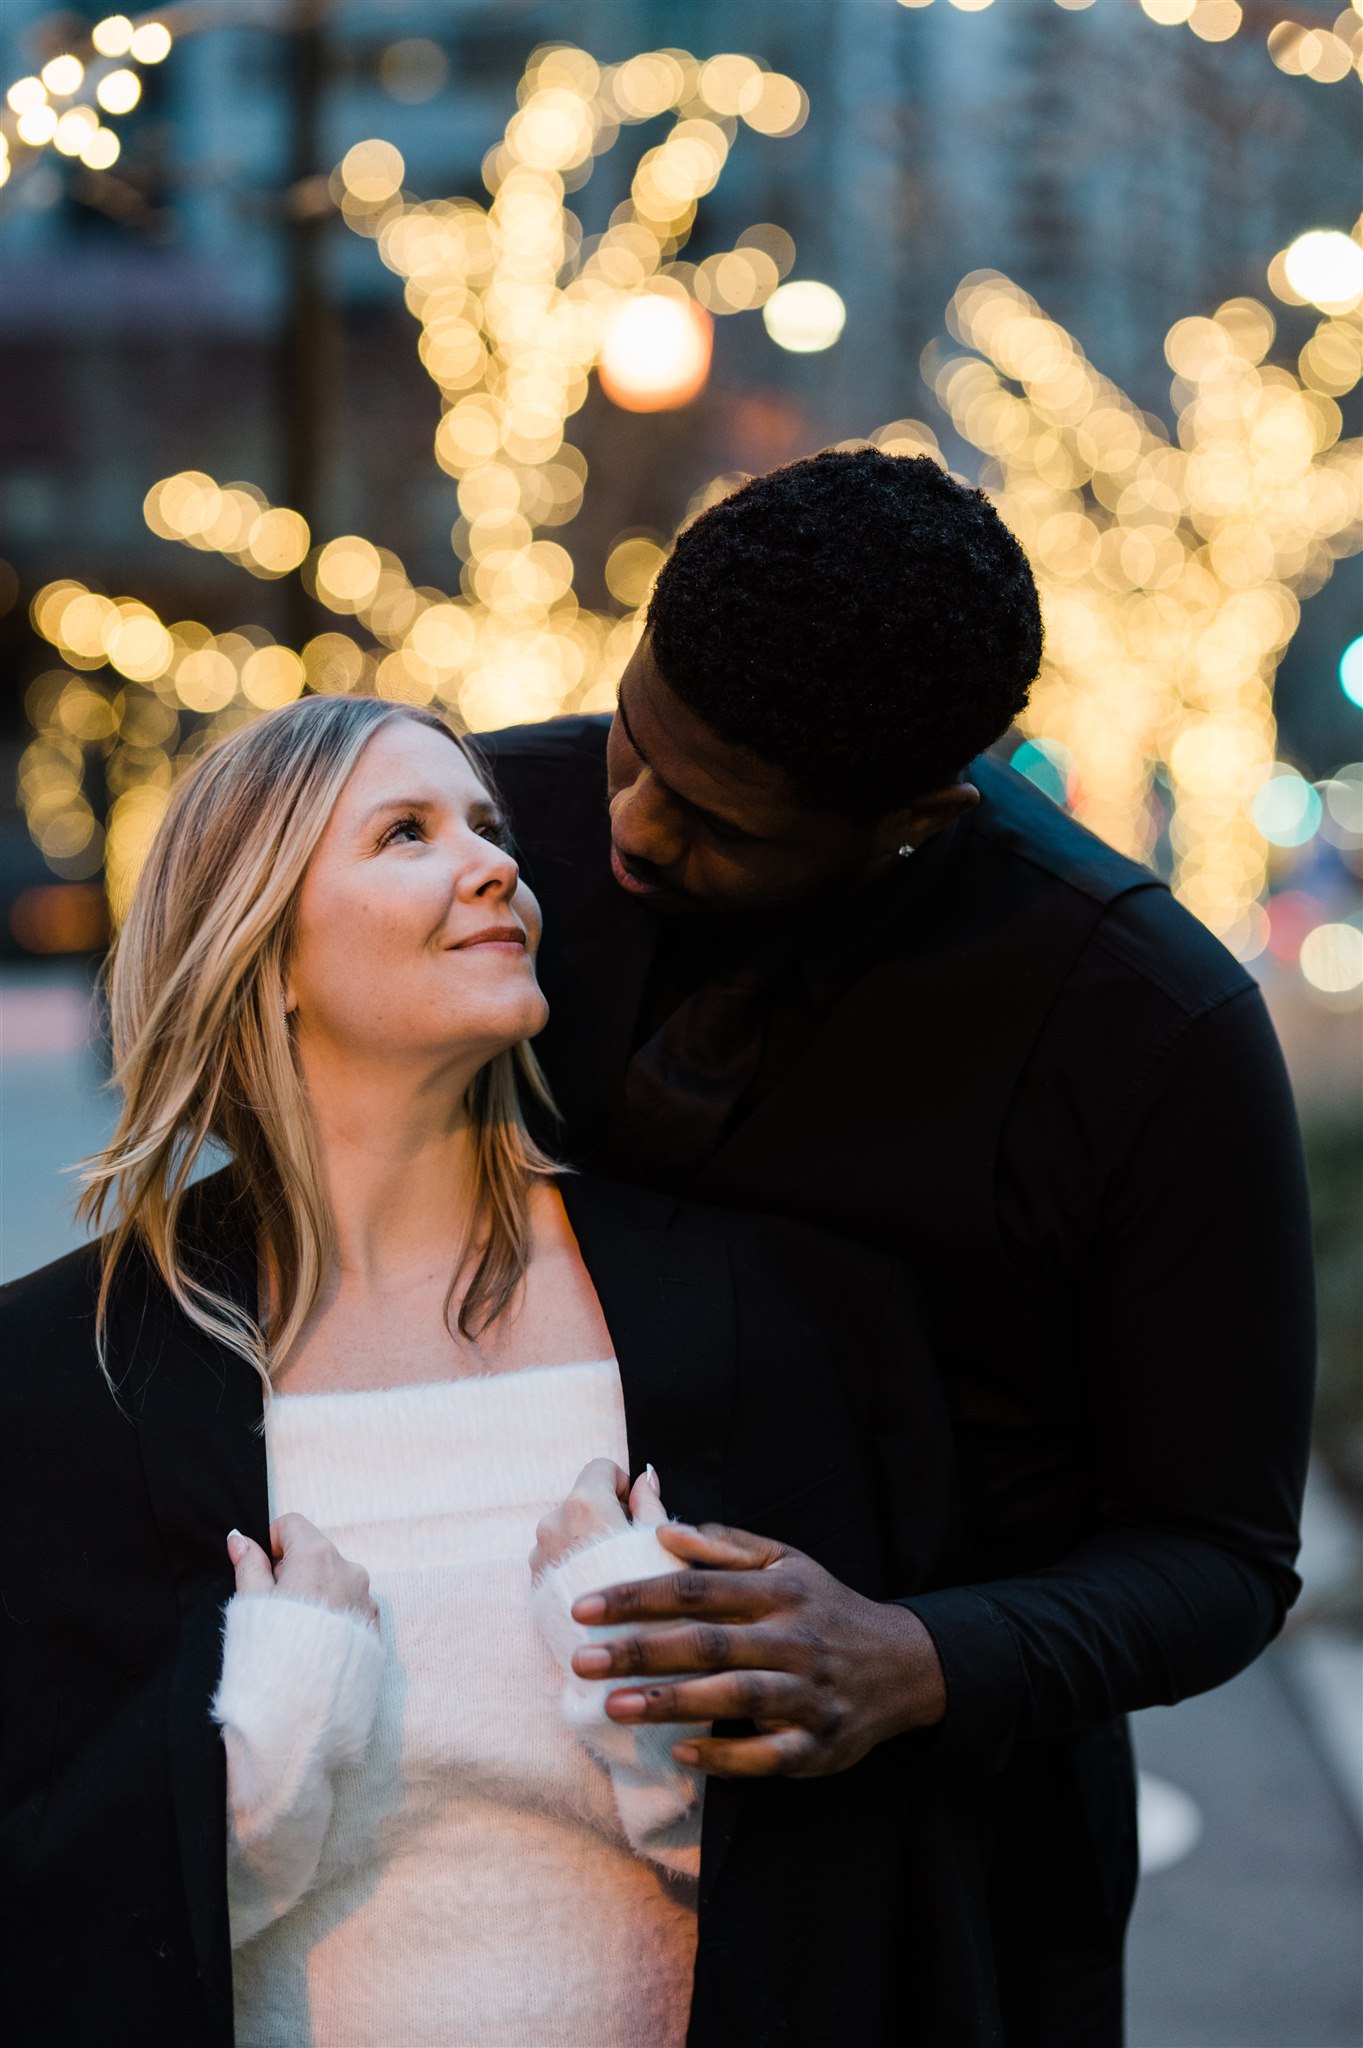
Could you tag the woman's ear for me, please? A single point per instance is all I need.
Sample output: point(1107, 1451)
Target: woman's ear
point(914, 824)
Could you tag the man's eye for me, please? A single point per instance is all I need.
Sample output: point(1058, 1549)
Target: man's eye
point(725, 835)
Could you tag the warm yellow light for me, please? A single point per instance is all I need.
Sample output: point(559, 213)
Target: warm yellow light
point(804, 317)
point(150, 43)
point(1332, 958)
point(724, 79)
point(372, 171)
point(1168, 12)
point(776, 105)
point(119, 92)
point(1325, 267)
point(37, 126)
point(62, 76)
point(1216, 21)
point(113, 36)
point(271, 677)
point(972, 6)
point(74, 130)
point(348, 572)
point(100, 149)
point(631, 567)
point(278, 541)
point(656, 353)
point(25, 94)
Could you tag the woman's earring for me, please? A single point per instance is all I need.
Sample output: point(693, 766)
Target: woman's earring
point(906, 850)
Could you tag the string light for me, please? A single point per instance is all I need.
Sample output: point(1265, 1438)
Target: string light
point(1170, 572)
point(75, 129)
point(1171, 569)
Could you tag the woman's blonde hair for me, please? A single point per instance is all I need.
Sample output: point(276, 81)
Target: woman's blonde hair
point(203, 1050)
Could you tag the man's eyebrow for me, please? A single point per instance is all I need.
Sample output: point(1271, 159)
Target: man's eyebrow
point(709, 817)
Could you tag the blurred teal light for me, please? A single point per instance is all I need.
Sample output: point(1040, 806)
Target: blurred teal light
point(1045, 763)
point(1287, 810)
point(1351, 671)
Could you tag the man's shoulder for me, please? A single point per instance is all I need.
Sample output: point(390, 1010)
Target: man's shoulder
point(577, 740)
point(1140, 933)
point(553, 779)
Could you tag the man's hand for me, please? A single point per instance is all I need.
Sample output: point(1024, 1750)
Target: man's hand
point(824, 1673)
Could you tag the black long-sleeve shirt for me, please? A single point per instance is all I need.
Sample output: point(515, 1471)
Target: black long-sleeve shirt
point(1021, 1065)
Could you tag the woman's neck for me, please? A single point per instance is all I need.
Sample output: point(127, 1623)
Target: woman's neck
point(398, 1161)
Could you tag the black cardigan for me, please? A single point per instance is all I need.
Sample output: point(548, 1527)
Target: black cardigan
point(763, 1373)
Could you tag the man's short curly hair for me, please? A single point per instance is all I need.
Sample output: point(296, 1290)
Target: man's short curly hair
point(856, 619)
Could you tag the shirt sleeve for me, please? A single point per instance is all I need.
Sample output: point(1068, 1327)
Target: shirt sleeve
point(659, 1800)
point(1196, 1342)
point(296, 1702)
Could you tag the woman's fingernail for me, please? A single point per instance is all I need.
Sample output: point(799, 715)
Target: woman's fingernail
point(652, 1478)
point(685, 1753)
point(626, 1706)
point(591, 1607)
point(235, 1544)
point(591, 1663)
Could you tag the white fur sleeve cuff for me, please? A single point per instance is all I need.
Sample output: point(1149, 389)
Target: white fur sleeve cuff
point(659, 1800)
point(299, 1690)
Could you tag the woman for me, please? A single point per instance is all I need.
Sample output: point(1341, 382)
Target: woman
point(328, 972)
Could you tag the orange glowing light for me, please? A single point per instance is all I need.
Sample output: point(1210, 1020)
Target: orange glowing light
point(656, 353)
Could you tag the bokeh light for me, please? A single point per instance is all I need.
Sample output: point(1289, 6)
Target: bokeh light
point(655, 353)
point(1171, 567)
point(1331, 958)
point(804, 317)
point(1351, 671)
point(1325, 268)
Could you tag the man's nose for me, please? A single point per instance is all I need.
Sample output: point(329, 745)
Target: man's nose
point(646, 823)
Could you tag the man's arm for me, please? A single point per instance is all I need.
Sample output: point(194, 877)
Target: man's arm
point(1197, 1348)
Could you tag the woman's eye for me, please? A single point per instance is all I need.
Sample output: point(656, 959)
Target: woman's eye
point(402, 829)
point(497, 831)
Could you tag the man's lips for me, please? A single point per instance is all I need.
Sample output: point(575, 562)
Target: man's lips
point(626, 877)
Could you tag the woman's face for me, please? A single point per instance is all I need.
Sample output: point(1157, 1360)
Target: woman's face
point(416, 937)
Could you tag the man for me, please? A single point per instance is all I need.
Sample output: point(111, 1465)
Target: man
point(807, 952)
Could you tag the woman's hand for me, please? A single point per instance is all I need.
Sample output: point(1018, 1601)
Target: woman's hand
point(307, 1566)
point(602, 1503)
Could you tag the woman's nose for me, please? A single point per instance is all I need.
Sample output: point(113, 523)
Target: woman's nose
point(646, 824)
point(494, 873)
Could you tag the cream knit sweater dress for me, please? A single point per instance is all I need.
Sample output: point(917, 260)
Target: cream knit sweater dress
point(436, 1837)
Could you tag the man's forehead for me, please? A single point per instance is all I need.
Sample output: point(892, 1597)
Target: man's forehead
point(696, 763)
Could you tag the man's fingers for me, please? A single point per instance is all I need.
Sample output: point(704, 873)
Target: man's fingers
point(720, 1596)
point(723, 1696)
point(714, 1545)
point(253, 1569)
point(786, 1753)
point(702, 1646)
point(646, 1502)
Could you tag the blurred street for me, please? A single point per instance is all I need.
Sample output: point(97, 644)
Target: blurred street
point(1247, 1929)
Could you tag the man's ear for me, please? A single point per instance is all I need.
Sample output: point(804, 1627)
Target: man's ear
point(914, 824)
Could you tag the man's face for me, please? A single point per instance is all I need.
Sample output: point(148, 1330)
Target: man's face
point(698, 824)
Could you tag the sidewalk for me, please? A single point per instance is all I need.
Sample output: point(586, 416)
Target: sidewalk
point(1254, 1937)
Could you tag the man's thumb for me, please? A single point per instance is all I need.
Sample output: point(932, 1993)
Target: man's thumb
point(255, 1573)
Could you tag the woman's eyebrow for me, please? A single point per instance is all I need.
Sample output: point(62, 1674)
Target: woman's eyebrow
point(398, 803)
